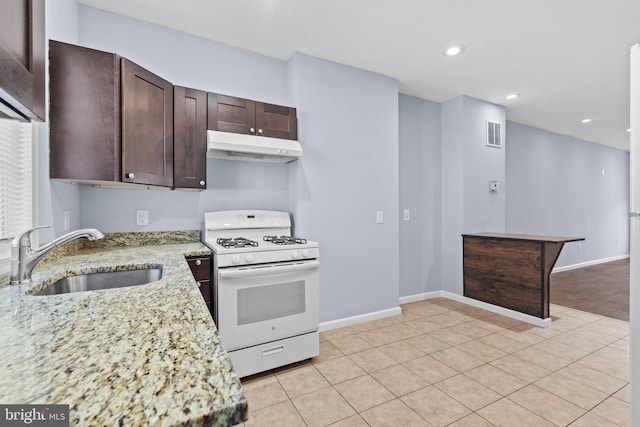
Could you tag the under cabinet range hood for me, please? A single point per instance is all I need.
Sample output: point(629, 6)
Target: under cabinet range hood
point(236, 146)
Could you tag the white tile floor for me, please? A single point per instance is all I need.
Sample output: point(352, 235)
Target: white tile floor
point(445, 363)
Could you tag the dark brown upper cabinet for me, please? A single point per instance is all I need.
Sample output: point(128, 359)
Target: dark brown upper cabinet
point(190, 138)
point(111, 121)
point(84, 115)
point(238, 115)
point(147, 126)
point(22, 59)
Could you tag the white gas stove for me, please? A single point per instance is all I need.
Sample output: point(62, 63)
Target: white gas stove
point(265, 289)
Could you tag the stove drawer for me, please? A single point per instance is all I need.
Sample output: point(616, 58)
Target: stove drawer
point(271, 355)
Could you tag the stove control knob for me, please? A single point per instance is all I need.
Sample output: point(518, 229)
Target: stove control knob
point(305, 253)
point(248, 257)
point(235, 259)
point(295, 254)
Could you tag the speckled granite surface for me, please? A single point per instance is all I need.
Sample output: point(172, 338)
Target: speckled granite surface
point(141, 355)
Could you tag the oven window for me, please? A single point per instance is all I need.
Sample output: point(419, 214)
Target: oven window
point(261, 303)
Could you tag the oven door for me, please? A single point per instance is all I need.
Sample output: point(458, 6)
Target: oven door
point(267, 302)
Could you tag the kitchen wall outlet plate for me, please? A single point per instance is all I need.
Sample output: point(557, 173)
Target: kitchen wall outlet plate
point(142, 217)
point(493, 186)
point(407, 215)
point(379, 217)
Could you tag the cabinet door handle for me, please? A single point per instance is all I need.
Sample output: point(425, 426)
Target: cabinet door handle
point(252, 130)
point(129, 175)
point(260, 131)
point(198, 262)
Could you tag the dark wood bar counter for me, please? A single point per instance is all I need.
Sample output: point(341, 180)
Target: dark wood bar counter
point(511, 270)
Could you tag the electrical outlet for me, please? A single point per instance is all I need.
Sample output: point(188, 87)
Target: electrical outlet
point(407, 216)
point(379, 217)
point(142, 217)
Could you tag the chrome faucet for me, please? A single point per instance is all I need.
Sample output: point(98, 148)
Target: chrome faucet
point(24, 258)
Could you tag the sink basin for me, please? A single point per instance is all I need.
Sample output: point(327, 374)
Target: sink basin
point(96, 281)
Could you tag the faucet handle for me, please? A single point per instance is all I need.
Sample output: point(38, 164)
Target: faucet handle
point(24, 238)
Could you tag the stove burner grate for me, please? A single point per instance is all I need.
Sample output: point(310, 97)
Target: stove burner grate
point(284, 240)
point(236, 242)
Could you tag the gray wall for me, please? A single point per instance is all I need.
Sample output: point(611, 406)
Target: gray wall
point(185, 59)
point(420, 182)
point(53, 198)
point(230, 185)
point(349, 131)
point(556, 187)
point(483, 210)
point(193, 62)
point(367, 149)
point(467, 166)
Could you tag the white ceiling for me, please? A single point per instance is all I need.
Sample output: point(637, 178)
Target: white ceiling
point(568, 59)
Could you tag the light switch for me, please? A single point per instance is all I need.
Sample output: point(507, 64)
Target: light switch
point(407, 216)
point(379, 217)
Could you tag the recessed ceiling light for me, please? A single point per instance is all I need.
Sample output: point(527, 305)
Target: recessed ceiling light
point(454, 50)
point(512, 96)
point(587, 120)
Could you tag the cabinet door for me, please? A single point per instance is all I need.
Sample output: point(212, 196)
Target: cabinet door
point(84, 113)
point(205, 290)
point(189, 138)
point(22, 59)
point(230, 114)
point(200, 267)
point(147, 127)
point(201, 270)
point(276, 121)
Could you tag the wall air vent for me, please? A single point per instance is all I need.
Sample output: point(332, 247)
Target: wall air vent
point(493, 134)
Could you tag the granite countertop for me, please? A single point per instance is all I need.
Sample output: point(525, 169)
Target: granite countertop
point(140, 355)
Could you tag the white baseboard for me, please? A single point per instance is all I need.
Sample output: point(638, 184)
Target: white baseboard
point(420, 297)
point(367, 317)
point(543, 323)
point(361, 318)
point(588, 263)
point(536, 321)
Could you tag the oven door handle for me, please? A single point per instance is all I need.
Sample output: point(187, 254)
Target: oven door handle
point(270, 269)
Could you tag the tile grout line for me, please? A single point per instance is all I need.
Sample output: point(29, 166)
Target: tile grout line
point(581, 322)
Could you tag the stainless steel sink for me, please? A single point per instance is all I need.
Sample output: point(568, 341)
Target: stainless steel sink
point(96, 281)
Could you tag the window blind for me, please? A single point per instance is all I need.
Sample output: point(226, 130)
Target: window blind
point(16, 186)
